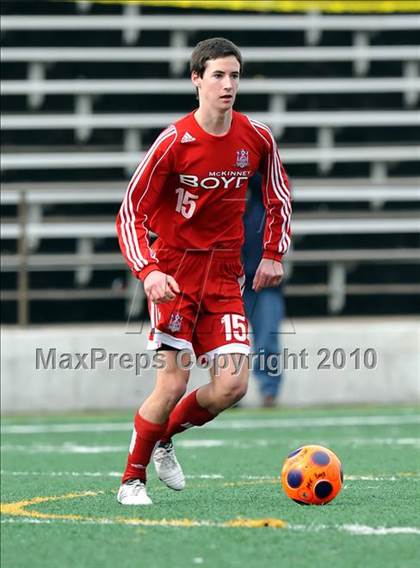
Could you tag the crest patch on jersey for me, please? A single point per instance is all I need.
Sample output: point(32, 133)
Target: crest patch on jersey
point(175, 322)
point(242, 160)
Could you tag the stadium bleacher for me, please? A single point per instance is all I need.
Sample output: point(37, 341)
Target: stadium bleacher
point(84, 96)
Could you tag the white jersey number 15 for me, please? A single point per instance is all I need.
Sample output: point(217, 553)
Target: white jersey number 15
point(185, 203)
point(235, 327)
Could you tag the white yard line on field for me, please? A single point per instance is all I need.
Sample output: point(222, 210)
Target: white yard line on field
point(386, 441)
point(66, 448)
point(76, 448)
point(367, 531)
point(103, 474)
point(202, 443)
point(73, 447)
point(211, 476)
point(61, 473)
point(355, 530)
point(235, 424)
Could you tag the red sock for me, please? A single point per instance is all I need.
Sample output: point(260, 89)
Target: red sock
point(143, 441)
point(186, 414)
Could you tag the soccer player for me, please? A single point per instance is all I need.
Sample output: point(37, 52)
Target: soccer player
point(190, 190)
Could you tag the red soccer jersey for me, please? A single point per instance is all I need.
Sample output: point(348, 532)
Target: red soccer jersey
point(190, 190)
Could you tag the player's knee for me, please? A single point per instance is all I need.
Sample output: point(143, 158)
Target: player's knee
point(171, 386)
point(231, 392)
point(174, 391)
point(239, 391)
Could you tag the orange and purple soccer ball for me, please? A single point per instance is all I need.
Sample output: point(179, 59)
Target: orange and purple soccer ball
point(312, 475)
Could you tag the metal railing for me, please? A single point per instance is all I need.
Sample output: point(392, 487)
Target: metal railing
point(183, 54)
point(310, 22)
point(304, 119)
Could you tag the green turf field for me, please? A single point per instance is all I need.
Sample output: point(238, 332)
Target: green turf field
point(60, 476)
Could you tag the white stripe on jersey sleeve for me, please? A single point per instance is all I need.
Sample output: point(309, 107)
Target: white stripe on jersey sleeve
point(127, 211)
point(277, 181)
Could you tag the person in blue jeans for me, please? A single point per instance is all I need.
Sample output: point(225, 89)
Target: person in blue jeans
point(265, 309)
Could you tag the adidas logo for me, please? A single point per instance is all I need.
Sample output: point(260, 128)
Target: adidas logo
point(187, 138)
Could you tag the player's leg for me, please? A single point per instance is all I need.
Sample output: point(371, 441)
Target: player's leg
point(229, 383)
point(150, 422)
point(171, 384)
point(172, 327)
point(224, 340)
point(229, 379)
point(186, 414)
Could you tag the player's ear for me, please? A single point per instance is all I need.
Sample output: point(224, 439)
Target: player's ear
point(196, 79)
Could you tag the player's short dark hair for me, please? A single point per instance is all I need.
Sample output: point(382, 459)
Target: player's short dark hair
point(213, 48)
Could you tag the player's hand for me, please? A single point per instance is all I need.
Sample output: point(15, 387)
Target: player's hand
point(160, 288)
point(269, 273)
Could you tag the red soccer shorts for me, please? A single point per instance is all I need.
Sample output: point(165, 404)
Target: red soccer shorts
point(208, 315)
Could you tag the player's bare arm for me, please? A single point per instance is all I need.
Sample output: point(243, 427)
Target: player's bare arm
point(160, 288)
point(269, 274)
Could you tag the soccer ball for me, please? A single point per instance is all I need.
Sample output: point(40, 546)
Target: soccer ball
point(312, 475)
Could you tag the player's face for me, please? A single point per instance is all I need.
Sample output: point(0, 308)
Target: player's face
point(219, 84)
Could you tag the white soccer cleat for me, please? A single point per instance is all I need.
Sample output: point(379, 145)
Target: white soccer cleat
point(133, 492)
point(167, 467)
